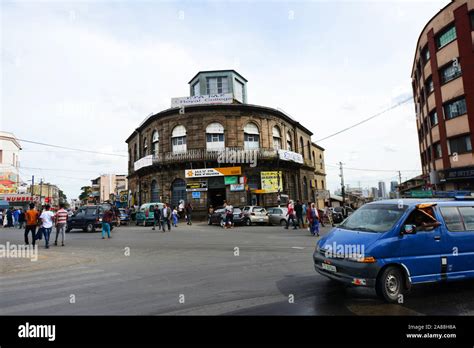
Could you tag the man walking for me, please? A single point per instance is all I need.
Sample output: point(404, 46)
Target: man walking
point(299, 214)
point(31, 217)
point(16, 216)
point(106, 221)
point(47, 223)
point(291, 216)
point(21, 219)
point(9, 214)
point(189, 211)
point(61, 222)
point(165, 217)
point(156, 217)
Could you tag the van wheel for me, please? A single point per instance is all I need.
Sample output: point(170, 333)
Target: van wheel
point(389, 284)
point(90, 228)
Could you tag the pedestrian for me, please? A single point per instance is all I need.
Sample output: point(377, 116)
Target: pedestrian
point(314, 220)
point(328, 215)
point(165, 217)
point(321, 216)
point(47, 223)
point(21, 219)
point(189, 210)
point(305, 209)
point(299, 213)
point(229, 216)
point(181, 209)
point(291, 215)
point(156, 217)
point(174, 215)
point(308, 216)
point(31, 217)
point(61, 223)
point(107, 219)
point(16, 216)
point(10, 217)
point(1, 217)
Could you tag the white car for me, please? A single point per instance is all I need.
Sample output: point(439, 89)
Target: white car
point(254, 215)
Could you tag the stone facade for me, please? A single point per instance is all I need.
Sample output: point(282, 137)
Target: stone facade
point(233, 118)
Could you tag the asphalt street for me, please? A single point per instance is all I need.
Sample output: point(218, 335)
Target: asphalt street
point(197, 270)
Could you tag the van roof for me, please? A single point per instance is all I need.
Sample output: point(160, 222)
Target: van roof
point(439, 201)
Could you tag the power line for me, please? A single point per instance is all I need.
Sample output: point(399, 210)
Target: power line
point(367, 119)
point(376, 170)
point(71, 148)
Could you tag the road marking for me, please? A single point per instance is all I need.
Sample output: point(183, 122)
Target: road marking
point(54, 276)
point(297, 248)
point(59, 282)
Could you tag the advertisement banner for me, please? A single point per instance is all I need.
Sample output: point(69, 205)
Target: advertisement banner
point(271, 181)
point(209, 172)
point(286, 155)
point(196, 186)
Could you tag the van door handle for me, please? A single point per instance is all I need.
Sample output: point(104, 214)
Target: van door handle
point(437, 237)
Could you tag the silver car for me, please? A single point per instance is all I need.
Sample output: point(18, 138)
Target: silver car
point(277, 215)
point(254, 214)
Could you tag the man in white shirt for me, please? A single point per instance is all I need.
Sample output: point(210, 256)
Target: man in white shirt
point(47, 223)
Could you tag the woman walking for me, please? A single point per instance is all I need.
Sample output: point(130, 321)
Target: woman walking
point(314, 220)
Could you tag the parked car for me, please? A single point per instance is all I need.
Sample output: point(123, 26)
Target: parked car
point(124, 218)
point(218, 217)
point(88, 218)
point(396, 244)
point(340, 213)
point(145, 215)
point(277, 215)
point(254, 214)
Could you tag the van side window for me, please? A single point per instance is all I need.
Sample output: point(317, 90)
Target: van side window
point(467, 214)
point(452, 218)
point(422, 218)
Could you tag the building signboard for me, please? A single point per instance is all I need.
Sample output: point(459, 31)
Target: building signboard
point(196, 186)
point(230, 180)
point(209, 172)
point(19, 198)
point(224, 98)
point(286, 155)
point(456, 174)
point(421, 194)
point(143, 162)
point(237, 187)
point(271, 181)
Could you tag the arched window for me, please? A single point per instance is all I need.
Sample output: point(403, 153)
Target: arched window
point(322, 184)
point(130, 158)
point(305, 189)
point(314, 160)
point(137, 155)
point(276, 138)
point(145, 147)
point(251, 137)
point(309, 150)
point(155, 140)
point(302, 146)
point(155, 194)
point(215, 136)
point(289, 142)
point(178, 139)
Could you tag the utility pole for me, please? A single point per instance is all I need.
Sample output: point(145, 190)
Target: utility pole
point(343, 190)
point(32, 186)
point(41, 192)
point(399, 182)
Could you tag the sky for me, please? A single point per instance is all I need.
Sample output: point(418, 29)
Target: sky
point(85, 74)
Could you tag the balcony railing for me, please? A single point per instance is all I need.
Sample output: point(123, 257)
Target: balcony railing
point(228, 155)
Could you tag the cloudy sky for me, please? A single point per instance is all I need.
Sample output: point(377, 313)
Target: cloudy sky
point(84, 74)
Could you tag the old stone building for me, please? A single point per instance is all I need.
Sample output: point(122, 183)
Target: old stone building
point(209, 148)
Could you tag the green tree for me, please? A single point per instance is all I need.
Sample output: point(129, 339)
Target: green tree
point(63, 198)
point(86, 191)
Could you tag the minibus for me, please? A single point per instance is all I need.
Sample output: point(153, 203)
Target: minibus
point(393, 244)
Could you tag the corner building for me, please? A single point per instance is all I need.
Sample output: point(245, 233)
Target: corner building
point(214, 146)
point(443, 90)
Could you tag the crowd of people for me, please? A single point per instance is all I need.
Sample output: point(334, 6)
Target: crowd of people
point(302, 214)
point(167, 216)
point(38, 223)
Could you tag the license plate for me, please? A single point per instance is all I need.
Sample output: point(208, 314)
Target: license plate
point(327, 267)
point(261, 220)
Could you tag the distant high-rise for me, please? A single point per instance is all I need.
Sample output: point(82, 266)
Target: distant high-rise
point(382, 190)
point(393, 186)
point(375, 192)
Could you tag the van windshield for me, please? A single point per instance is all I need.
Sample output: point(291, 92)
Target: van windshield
point(374, 218)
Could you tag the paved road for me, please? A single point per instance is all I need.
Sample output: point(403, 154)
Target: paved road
point(195, 270)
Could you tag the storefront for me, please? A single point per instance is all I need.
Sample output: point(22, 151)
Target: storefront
point(19, 200)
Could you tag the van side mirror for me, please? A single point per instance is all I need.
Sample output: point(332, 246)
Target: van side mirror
point(408, 229)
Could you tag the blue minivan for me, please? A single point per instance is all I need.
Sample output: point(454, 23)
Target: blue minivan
point(390, 245)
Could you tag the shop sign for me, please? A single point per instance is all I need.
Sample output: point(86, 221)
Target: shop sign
point(196, 186)
point(196, 195)
point(230, 180)
point(286, 155)
point(209, 172)
point(456, 174)
point(237, 187)
point(19, 198)
point(421, 194)
point(271, 182)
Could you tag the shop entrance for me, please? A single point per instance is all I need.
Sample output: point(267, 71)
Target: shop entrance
point(216, 191)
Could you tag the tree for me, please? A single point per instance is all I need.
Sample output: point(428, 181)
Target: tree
point(86, 191)
point(62, 197)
